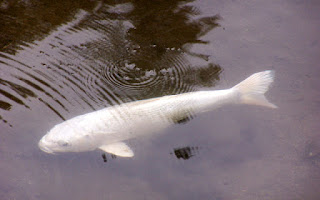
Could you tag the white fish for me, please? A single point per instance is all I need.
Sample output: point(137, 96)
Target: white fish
point(109, 128)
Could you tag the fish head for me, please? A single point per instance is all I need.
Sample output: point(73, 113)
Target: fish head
point(65, 138)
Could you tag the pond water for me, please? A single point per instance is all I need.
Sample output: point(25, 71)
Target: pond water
point(59, 60)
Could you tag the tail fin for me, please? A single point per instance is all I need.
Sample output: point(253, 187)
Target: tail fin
point(253, 88)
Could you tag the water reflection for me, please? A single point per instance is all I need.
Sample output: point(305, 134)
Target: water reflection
point(26, 21)
point(109, 54)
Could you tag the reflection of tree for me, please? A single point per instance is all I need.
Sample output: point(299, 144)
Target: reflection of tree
point(159, 40)
point(29, 20)
point(166, 25)
point(110, 54)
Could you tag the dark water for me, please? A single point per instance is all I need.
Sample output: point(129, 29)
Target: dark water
point(62, 59)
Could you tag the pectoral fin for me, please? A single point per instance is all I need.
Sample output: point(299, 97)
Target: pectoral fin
point(119, 149)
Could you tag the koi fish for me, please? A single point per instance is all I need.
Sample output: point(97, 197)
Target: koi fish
point(108, 129)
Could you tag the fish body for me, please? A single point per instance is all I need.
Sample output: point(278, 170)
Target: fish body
point(109, 128)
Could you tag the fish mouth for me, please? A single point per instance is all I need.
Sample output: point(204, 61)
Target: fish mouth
point(44, 148)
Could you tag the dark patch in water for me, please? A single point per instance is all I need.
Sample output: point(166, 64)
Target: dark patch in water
point(185, 153)
point(113, 54)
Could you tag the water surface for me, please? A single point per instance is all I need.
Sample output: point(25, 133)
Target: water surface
point(59, 60)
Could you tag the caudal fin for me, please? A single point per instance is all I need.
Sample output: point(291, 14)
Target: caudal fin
point(253, 88)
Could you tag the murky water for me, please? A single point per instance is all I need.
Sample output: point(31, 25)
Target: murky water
point(59, 60)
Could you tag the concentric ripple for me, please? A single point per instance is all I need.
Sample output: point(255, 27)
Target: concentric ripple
point(114, 54)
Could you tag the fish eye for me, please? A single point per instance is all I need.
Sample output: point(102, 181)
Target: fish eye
point(63, 143)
